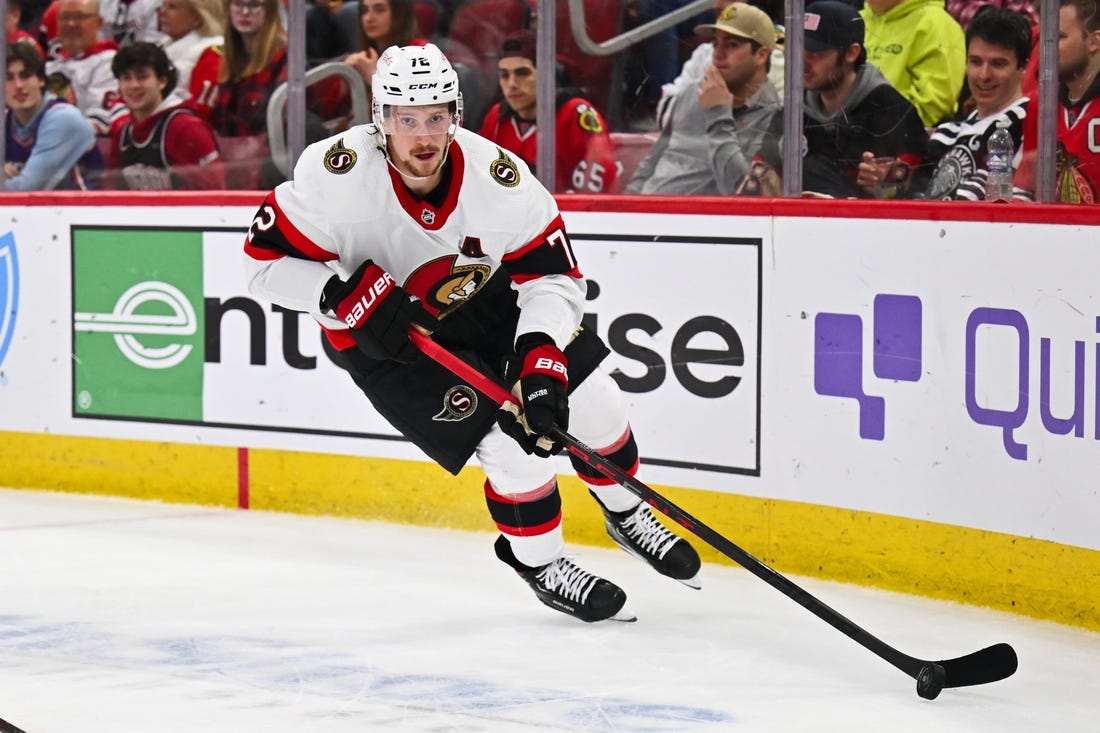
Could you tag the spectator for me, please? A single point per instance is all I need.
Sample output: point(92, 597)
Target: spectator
point(921, 50)
point(31, 18)
point(661, 55)
point(585, 160)
point(194, 29)
point(998, 45)
point(697, 63)
point(254, 64)
point(863, 139)
point(330, 28)
point(15, 34)
point(47, 144)
point(381, 24)
point(965, 10)
point(163, 143)
point(82, 71)
point(711, 136)
point(1077, 160)
point(126, 21)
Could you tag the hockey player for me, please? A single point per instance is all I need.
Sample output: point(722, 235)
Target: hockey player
point(385, 227)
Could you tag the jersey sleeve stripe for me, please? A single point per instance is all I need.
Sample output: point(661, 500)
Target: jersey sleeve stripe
point(272, 235)
point(550, 253)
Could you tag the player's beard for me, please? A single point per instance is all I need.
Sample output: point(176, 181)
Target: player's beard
point(420, 169)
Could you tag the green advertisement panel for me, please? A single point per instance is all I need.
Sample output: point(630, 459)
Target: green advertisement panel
point(138, 323)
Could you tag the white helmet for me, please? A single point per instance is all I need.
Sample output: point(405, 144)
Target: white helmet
point(414, 76)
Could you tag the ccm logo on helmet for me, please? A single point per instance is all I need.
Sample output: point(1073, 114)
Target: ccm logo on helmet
point(433, 85)
point(369, 299)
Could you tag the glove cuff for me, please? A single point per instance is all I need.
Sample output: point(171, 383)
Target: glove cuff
point(545, 360)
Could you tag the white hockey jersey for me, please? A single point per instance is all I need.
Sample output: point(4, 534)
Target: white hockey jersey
point(346, 204)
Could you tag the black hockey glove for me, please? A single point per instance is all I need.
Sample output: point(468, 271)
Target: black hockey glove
point(542, 393)
point(378, 312)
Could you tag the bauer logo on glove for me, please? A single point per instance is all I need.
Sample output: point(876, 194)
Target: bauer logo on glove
point(378, 312)
point(363, 307)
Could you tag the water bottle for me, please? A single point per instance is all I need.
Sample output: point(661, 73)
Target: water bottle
point(998, 161)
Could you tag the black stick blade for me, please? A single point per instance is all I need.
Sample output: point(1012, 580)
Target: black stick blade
point(982, 667)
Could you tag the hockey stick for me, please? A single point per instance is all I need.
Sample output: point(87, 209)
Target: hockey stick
point(6, 727)
point(978, 668)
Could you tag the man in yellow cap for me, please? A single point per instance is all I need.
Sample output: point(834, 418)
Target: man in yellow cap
point(709, 138)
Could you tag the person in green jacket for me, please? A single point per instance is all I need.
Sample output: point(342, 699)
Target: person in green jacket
point(921, 49)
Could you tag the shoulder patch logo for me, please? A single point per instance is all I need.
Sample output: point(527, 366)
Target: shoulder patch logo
point(588, 120)
point(339, 159)
point(458, 404)
point(504, 170)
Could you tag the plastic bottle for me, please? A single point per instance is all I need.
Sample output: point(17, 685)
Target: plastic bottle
point(998, 161)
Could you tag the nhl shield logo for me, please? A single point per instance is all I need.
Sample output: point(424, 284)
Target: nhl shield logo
point(427, 216)
point(458, 404)
point(9, 292)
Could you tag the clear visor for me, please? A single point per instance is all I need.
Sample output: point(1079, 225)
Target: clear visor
point(412, 121)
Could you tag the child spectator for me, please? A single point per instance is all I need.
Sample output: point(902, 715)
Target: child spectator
point(163, 143)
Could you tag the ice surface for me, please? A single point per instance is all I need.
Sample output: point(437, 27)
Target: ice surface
point(127, 616)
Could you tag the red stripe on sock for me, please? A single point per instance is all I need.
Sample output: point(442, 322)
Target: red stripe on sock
point(538, 529)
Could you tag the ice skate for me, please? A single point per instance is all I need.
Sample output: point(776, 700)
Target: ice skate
point(640, 533)
point(565, 587)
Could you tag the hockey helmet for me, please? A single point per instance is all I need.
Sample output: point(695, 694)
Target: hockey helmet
point(415, 76)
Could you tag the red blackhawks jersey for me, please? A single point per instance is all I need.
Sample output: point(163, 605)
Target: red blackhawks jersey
point(1077, 154)
point(586, 161)
point(346, 204)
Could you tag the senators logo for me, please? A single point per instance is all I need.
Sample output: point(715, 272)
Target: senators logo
point(339, 159)
point(444, 285)
point(458, 404)
point(504, 170)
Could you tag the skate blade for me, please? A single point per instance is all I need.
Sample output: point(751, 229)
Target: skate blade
point(624, 615)
point(692, 582)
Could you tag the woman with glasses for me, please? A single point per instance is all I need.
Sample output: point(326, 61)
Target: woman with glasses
point(253, 65)
point(194, 29)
